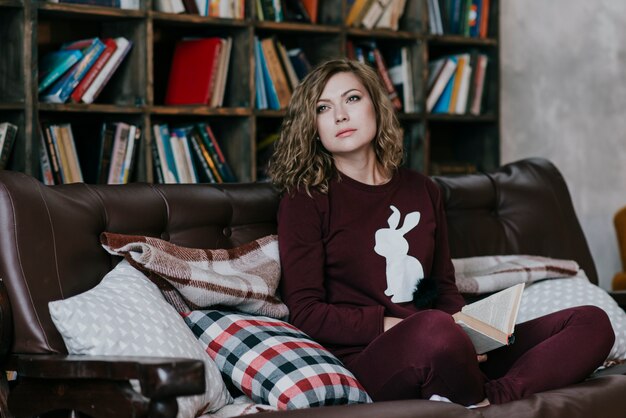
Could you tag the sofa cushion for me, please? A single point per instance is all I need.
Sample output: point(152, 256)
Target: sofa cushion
point(126, 315)
point(273, 362)
point(548, 296)
point(244, 278)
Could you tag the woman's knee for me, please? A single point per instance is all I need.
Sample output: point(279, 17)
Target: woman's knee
point(442, 340)
point(598, 322)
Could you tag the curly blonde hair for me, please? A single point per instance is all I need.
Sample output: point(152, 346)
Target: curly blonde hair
point(300, 160)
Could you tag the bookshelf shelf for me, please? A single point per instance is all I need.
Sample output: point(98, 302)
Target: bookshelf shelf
point(136, 92)
point(86, 11)
point(89, 108)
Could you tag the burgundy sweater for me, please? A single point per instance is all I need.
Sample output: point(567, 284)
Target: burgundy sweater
point(337, 250)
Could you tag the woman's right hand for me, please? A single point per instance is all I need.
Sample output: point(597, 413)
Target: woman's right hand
point(389, 322)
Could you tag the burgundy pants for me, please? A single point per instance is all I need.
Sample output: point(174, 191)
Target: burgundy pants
point(427, 353)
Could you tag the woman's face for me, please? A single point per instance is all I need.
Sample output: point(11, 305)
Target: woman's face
point(346, 118)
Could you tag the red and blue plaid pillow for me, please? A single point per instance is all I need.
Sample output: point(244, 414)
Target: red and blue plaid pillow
point(272, 362)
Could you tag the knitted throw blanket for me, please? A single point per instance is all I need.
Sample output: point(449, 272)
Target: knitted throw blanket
point(486, 274)
point(244, 278)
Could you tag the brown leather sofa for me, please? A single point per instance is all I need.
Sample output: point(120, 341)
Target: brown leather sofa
point(49, 249)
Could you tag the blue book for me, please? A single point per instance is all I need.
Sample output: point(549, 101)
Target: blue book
point(54, 64)
point(62, 89)
point(443, 104)
point(170, 162)
point(260, 96)
point(270, 89)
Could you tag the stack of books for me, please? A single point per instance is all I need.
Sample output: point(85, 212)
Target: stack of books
point(79, 70)
point(224, 9)
point(456, 84)
point(459, 17)
point(199, 71)
point(304, 11)
point(277, 72)
point(189, 154)
point(117, 154)
point(381, 14)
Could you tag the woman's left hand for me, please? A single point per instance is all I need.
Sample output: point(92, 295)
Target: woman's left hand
point(481, 358)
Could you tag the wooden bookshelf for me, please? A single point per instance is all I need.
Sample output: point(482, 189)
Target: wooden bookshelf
point(136, 92)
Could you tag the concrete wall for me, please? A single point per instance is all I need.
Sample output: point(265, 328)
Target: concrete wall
point(563, 75)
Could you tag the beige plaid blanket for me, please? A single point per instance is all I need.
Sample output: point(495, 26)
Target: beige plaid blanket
point(244, 278)
point(486, 274)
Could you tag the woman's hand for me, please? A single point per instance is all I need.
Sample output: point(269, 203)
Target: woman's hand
point(481, 358)
point(389, 322)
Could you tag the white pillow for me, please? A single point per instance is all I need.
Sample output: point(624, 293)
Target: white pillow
point(549, 296)
point(126, 314)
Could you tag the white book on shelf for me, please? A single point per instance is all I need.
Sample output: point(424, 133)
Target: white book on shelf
point(375, 12)
point(408, 91)
point(440, 83)
point(119, 151)
point(217, 97)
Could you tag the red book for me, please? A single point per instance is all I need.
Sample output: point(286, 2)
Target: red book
point(193, 72)
point(109, 47)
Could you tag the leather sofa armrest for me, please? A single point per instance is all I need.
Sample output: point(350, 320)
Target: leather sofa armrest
point(85, 383)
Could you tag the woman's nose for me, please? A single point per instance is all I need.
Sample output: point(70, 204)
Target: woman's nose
point(341, 115)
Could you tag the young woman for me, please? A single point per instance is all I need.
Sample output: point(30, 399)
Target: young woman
point(366, 265)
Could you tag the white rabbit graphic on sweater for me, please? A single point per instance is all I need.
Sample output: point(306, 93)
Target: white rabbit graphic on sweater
point(403, 271)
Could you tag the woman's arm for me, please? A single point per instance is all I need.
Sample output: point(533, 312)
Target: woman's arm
point(302, 254)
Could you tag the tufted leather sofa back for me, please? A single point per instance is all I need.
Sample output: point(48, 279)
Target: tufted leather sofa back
point(50, 248)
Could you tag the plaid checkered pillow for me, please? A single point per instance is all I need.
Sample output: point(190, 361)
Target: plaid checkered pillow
point(274, 363)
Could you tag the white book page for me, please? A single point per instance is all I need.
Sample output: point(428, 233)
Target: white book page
point(498, 310)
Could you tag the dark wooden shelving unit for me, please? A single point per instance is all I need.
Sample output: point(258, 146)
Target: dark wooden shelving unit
point(135, 94)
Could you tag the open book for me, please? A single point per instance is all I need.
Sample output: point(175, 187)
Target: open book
point(489, 322)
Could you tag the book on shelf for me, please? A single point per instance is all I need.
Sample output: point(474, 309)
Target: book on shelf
point(189, 154)
point(217, 98)
point(477, 97)
point(295, 11)
point(170, 6)
point(107, 138)
point(120, 4)
point(54, 64)
point(104, 75)
point(8, 132)
point(260, 70)
point(60, 91)
point(357, 11)
point(435, 24)
point(375, 11)
point(52, 153)
point(460, 17)
point(459, 80)
point(193, 71)
point(44, 161)
point(442, 80)
point(401, 74)
point(299, 62)
point(490, 322)
point(216, 153)
point(311, 7)
point(391, 16)
point(109, 47)
point(165, 153)
point(288, 69)
point(120, 156)
point(270, 88)
point(276, 73)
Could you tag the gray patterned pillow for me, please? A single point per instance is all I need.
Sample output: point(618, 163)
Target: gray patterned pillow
point(125, 314)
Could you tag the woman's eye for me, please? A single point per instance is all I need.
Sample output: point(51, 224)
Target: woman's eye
point(321, 108)
point(354, 98)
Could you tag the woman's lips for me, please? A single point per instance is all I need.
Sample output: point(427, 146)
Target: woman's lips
point(344, 133)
